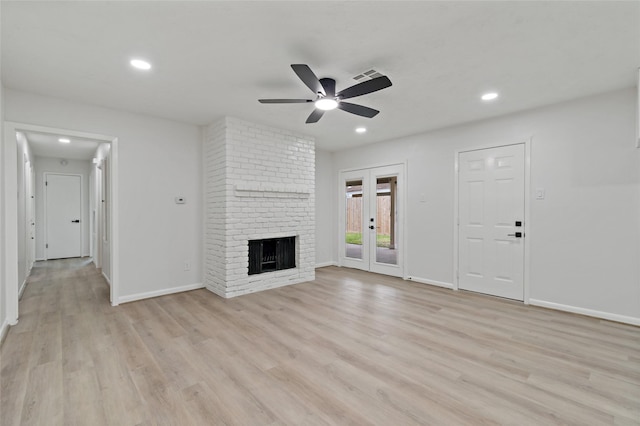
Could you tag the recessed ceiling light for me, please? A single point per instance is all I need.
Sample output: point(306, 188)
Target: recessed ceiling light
point(361, 129)
point(326, 104)
point(489, 96)
point(64, 140)
point(140, 64)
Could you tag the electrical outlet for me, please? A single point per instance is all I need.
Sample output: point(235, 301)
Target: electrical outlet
point(187, 265)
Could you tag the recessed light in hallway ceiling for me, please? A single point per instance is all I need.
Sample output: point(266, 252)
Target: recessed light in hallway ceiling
point(489, 96)
point(140, 64)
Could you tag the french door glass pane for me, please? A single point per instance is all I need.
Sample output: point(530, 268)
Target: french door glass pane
point(386, 217)
point(353, 218)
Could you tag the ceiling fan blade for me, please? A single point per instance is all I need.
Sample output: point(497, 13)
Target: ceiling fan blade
point(329, 86)
point(360, 110)
point(315, 116)
point(308, 77)
point(284, 101)
point(365, 87)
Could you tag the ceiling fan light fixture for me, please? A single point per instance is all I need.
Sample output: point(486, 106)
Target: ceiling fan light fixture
point(326, 104)
point(361, 129)
point(64, 140)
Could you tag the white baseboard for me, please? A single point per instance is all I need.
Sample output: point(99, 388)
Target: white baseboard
point(156, 293)
point(106, 278)
point(40, 259)
point(323, 264)
point(3, 331)
point(430, 282)
point(584, 311)
point(22, 289)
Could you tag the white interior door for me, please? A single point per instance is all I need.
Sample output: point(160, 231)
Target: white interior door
point(29, 217)
point(371, 219)
point(491, 221)
point(63, 213)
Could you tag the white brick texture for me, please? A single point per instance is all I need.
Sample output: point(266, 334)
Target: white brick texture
point(259, 183)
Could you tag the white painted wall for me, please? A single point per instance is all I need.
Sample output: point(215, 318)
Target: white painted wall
point(158, 160)
point(585, 236)
point(325, 209)
point(52, 165)
point(4, 320)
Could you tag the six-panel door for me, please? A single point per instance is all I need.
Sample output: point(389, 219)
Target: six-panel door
point(491, 221)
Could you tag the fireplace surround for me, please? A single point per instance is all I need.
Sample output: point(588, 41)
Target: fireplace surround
point(259, 184)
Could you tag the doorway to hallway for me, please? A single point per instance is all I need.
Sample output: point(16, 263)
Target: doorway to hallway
point(16, 231)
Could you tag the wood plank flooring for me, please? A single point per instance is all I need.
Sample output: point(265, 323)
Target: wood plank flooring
point(350, 348)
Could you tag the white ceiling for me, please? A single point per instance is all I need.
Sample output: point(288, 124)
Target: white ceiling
point(212, 59)
point(47, 145)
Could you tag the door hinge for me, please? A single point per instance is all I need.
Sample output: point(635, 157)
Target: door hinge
point(46, 245)
point(46, 183)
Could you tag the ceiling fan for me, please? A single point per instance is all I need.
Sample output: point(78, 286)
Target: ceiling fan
point(326, 96)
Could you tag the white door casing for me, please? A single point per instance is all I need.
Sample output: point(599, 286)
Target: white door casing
point(491, 211)
point(63, 201)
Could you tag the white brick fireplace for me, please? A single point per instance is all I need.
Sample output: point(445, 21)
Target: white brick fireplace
point(259, 184)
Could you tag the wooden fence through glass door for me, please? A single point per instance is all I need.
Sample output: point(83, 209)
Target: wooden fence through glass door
point(354, 217)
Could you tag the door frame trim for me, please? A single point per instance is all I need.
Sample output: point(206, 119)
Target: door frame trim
point(8, 228)
point(527, 142)
point(403, 206)
point(46, 218)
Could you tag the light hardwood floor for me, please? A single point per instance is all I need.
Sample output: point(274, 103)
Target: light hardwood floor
point(349, 348)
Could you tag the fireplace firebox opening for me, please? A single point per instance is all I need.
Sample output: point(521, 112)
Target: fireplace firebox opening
point(273, 254)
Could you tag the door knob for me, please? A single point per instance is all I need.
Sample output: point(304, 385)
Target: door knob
point(75, 221)
point(372, 227)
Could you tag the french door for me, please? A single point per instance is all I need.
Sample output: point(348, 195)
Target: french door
point(371, 232)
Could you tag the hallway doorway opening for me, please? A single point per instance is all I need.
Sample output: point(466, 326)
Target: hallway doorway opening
point(79, 165)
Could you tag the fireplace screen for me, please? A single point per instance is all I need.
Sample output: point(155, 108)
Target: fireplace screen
point(272, 254)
